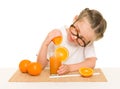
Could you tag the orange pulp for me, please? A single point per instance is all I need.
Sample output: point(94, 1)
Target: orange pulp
point(86, 72)
point(62, 53)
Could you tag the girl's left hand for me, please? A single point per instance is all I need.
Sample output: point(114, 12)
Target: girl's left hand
point(63, 69)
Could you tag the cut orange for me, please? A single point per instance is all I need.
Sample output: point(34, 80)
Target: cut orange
point(57, 40)
point(23, 65)
point(62, 53)
point(34, 68)
point(86, 72)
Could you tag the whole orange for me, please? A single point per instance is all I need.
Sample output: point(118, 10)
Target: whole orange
point(23, 65)
point(34, 68)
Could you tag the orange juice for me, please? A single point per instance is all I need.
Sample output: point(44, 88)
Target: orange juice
point(55, 63)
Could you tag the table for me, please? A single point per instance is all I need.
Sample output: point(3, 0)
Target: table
point(112, 75)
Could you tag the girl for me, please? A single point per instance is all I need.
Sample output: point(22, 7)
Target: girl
point(78, 38)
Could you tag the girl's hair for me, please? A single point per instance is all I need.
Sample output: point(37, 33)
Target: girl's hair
point(98, 23)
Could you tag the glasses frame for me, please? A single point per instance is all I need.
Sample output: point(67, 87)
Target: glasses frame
point(79, 36)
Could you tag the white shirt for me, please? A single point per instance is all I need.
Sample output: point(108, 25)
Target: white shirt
point(76, 53)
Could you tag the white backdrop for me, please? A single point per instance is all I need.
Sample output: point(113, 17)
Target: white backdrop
point(25, 23)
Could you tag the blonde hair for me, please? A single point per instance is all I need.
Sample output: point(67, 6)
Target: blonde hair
point(98, 23)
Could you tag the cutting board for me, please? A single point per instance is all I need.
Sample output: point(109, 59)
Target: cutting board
point(18, 76)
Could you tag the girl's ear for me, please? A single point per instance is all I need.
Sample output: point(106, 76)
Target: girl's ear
point(75, 18)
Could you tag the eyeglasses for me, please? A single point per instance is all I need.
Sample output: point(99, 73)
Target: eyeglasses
point(80, 39)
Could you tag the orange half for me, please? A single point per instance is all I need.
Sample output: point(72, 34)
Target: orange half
point(86, 72)
point(62, 53)
point(57, 40)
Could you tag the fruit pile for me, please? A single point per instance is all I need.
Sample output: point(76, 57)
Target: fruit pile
point(32, 68)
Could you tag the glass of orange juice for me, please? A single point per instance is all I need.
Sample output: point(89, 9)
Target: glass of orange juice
point(55, 63)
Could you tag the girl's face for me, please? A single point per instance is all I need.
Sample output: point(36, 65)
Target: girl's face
point(81, 33)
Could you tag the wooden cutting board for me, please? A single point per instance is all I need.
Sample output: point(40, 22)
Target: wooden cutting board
point(18, 76)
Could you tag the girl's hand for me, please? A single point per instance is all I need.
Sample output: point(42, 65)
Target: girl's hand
point(54, 33)
point(63, 69)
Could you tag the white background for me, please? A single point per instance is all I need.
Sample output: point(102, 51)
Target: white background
point(25, 23)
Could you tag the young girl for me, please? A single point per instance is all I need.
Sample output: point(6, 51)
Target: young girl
point(78, 38)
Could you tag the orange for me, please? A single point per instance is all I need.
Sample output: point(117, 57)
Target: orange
point(57, 40)
point(86, 72)
point(62, 53)
point(34, 68)
point(23, 65)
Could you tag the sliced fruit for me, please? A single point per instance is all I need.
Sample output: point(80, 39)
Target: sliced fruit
point(57, 40)
point(86, 72)
point(62, 53)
